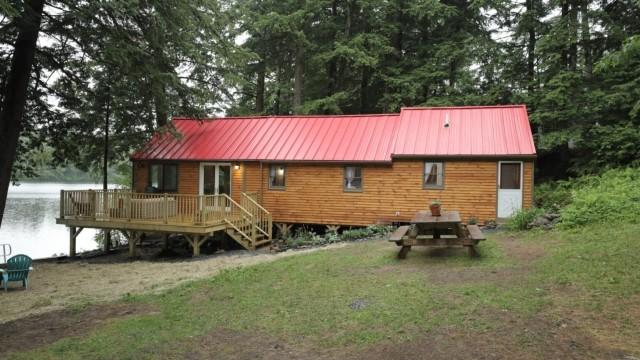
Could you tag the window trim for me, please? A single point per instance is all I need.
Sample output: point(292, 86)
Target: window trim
point(162, 166)
point(344, 175)
point(424, 176)
point(284, 177)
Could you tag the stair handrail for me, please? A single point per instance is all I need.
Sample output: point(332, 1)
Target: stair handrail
point(251, 236)
point(269, 220)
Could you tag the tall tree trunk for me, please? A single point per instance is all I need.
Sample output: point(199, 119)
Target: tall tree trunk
point(298, 81)
point(15, 92)
point(586, 40)
point(573, 47)
point(276, 106)
point(332, 67)
point(260, 87)
point(105, 165)
point(364, 91)
point(160, 101)
point(531, 45)
point(564, 54)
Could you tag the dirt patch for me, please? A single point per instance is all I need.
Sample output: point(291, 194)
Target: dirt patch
point(614, 323)
point(511, 337)
point(521, 253)
point(237, 345)
point(55, 286)
point(43, 329)
point(519, 250)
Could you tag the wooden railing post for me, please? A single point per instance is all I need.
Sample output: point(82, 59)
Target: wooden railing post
point(61, 204)
point(166, 209)
point(92, 204)
point(105, 204)
point(128, 206)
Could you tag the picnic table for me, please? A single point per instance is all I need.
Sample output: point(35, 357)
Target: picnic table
point(444, 230)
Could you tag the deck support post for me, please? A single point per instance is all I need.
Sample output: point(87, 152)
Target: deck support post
point(133, 238)
point(73, 235)
point(333, 228)
point(284, 229)
point(107, 240)
point(165, 241)
point(195, 241)
point(72, 241)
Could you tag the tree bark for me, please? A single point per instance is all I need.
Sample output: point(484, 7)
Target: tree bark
point(564, 54)
point(15, 92)
point(105, 165)
point(531, 45)
point(260, 87)
point(364, 91)
point(586, 40)
point(573, 44)
point(332, 67)
point(298, 81)
point(276, 106)
point(160, 100)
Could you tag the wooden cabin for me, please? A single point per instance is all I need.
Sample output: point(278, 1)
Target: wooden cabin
point(333, 170)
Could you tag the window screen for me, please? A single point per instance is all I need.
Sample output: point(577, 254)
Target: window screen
point(510, 176)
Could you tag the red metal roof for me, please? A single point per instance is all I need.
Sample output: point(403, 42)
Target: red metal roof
point(360, 138)
point(472, 131)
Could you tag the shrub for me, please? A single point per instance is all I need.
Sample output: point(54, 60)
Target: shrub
point(554, 196)
point(611, 197)
point(379, 229)
point(522, 218)
point(355, 234)
point(303, 237)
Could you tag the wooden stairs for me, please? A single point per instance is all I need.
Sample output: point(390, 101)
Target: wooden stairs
point(249, 224)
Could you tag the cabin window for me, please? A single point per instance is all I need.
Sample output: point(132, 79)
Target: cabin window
point(277, 175)
point(352, 178)
point(433, 175)
point(163, 178)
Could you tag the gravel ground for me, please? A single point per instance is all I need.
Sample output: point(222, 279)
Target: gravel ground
point(58, 285)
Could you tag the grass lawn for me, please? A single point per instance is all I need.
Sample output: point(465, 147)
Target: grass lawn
point(530, 295)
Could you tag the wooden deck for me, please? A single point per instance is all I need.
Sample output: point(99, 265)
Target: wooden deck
point(195, 216)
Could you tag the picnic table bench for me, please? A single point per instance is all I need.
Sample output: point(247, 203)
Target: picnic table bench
point(444, 230)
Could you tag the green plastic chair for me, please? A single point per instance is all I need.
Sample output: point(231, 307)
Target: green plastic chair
point(18, 268)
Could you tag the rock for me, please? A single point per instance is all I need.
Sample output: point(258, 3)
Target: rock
point(359, 304)
point(551, 216)
point(539, 222)
point(489, 225)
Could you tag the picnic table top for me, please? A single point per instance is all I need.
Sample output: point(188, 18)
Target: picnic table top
point(425, 217)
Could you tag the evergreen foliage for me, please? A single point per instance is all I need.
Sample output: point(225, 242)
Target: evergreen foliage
point(574, 63)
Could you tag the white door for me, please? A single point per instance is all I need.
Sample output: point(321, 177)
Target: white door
point(509, 188)
point(215, 179)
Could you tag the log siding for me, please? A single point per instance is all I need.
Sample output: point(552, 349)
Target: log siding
point(315, 193)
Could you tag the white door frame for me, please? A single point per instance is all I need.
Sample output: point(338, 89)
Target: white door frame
point(216, 175)
point(500, 178)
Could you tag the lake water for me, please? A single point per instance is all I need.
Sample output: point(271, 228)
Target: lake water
point(29, 223)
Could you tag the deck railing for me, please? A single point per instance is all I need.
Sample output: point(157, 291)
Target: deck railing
point(155, 208)
point(248, 219)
